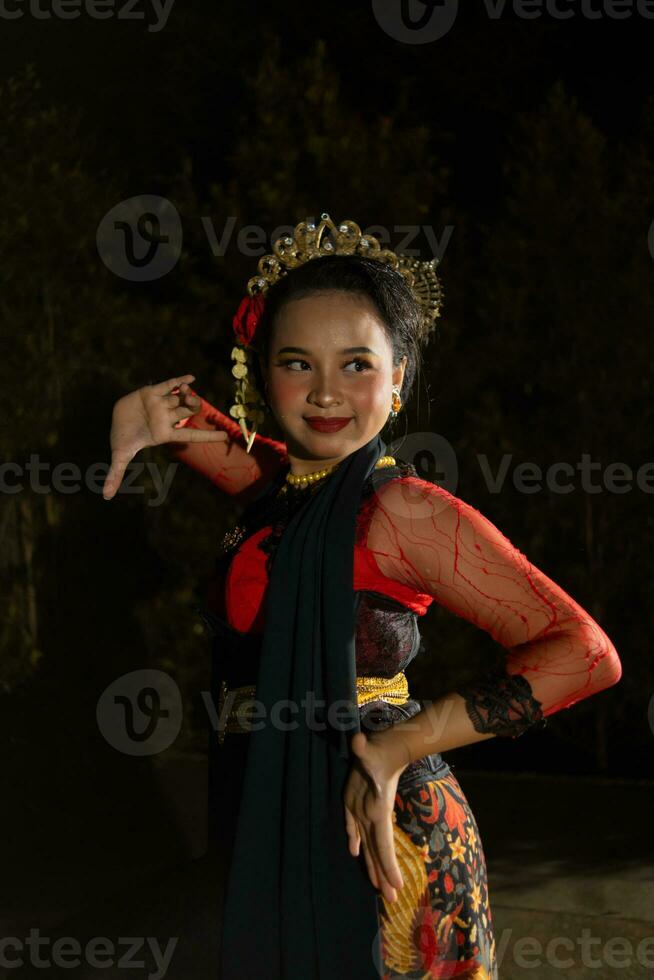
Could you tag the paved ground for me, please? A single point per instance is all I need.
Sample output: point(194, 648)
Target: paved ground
point(571, 878)
point(571, 873)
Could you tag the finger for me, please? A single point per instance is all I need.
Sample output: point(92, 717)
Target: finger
point(182, 394)
point(184, 434)
point(182, 404)
point(384, 849)
point(119, 461)
point(189, 405)
point(181, 412)
point(379, 880)
point(388, 882)
point(370, 864)
point(352, 833)
point(165, 387)
point(188, 396)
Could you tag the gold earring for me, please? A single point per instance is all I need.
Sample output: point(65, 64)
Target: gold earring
point(396, 401)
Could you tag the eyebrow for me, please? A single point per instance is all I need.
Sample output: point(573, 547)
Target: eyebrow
point(346, 350)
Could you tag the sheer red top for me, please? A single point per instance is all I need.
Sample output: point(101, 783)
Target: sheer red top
point(417, 544)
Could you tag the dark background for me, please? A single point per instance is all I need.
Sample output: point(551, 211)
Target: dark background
point(533, 140)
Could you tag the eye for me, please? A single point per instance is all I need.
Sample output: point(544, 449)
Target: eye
point(366, 365)
point(287, 364)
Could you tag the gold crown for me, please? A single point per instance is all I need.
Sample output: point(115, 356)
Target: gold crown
point(311, 241)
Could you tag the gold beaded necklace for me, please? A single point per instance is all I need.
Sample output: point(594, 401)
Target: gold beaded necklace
point(306, 479)
point(234, 536)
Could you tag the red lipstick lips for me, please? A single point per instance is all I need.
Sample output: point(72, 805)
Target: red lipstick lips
point(321, 424)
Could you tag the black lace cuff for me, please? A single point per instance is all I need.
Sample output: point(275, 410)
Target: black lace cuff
point(502, 704)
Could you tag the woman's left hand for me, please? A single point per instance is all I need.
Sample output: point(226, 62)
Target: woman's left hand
point(369, 803)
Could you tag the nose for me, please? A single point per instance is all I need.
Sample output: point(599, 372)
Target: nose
point(324, 400)
point(324, 393)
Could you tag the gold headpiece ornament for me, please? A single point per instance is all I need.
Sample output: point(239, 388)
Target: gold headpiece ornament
point(310, 241)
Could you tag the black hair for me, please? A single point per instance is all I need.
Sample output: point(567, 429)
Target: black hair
point(389, 291)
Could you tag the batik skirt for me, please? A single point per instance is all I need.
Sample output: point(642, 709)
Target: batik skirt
point(441, 924)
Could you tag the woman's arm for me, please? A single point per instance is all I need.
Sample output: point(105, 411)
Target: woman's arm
point(227, 464)
point(158, 414)
point(556, 654)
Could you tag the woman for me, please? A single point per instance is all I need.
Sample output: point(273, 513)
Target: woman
point(338, 339)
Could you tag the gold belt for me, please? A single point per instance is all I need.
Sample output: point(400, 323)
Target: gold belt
point(393, 690)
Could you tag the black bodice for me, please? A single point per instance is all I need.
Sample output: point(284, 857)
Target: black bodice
point(387, 637)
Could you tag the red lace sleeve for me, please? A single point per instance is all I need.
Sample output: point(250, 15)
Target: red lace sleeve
point(426, 538)
point(227, 464)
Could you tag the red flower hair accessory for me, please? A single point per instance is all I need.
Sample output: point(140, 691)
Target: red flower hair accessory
point(247, 318)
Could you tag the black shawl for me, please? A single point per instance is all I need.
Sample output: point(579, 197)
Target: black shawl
point(298, 904)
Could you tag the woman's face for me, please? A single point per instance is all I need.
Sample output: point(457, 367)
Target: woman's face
point(313, 371)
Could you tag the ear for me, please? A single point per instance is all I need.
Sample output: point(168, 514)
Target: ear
point(398, 372)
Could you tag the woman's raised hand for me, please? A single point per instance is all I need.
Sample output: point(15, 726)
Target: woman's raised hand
point(149, 417)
